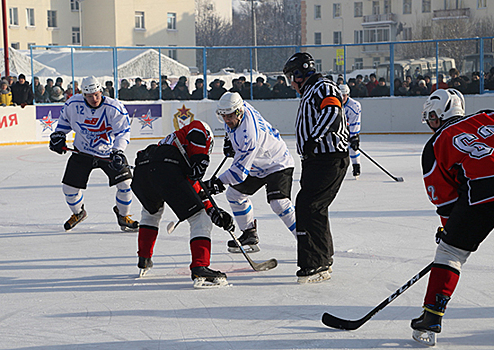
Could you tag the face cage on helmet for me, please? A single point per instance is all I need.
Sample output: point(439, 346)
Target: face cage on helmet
point(238, 114)
point(429, 116)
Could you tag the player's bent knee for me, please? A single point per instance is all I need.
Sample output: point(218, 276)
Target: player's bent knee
point(124, 185)
point(281, 207)
point(200, 225)
point(451, 256)
point(153, 220)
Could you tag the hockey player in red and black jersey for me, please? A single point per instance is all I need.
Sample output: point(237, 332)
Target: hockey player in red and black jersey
point(162, 175)
point(458, 169)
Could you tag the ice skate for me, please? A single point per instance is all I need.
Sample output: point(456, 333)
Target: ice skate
point(125, 222)
point(144, 265)
point(314, 275)
point(356, 170)
point(205, 278)
point(248, 240)
point(428, 324)
point(75, 219)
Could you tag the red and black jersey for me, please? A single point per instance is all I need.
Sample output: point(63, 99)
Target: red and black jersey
point(459, 159)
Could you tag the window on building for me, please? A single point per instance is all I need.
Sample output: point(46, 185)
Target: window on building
point(171, 20)
point(76, 36)
point(318, 64)
point(317, 12)
point(14, 16)
point(30, 17)
point(453, 4)
point(318, 38)
point(375, 8)
point(358, 9)
point(376, 61)
point(74, 5)
point(481, 4)
point(172, 53)
point(358, 63)
point(336, 10)
point(139, 18)
point(373, 35)
point(336, 37)
point(52, 19)
point(407, 33)
point(30, 44)
point(16, 46)
point(358, 36)
point(426, 6)
point(387, 6)
point(407, 7)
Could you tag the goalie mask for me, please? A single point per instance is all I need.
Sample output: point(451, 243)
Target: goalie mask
point(442, 105)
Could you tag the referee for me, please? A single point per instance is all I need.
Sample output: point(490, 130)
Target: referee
point(322, 142)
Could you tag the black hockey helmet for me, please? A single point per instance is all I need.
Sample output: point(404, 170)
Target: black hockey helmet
point(300, 65)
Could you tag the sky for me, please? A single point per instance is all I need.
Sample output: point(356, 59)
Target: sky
point(79, 289)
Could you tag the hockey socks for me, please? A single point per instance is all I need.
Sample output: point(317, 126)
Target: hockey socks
point(146, 240)
point(442, 280)
point(200, 248)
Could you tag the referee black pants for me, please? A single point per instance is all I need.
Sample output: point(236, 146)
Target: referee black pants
point(320, 182)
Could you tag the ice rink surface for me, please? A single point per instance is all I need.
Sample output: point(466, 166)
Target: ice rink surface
point(78, 290)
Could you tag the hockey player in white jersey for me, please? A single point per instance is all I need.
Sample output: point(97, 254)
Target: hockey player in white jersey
point(102, 132)
point(353, 112)
point(260, 158)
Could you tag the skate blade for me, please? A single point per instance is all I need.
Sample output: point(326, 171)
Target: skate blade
point(129, 229)
point(143, 272)
point(356, 177)
point(248, 249)
point(424, 337)
point(203, 283)
point(70, 229)
point(320, 277)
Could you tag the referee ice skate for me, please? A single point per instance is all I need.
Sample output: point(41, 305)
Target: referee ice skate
point(322, 142)
point(102, 132)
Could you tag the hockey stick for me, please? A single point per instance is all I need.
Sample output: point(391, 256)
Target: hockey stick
point(336, 322)
point(90, 155)
point(265, 265)
point(173, 225)
point(399, 179)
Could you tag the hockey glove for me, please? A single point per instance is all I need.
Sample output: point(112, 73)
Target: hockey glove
point(117, 160)
point(199, 165)
point(57, 142)
point(221, 219)
point(228, 150)
point(439, 234)
point(214, 186)
point(354, 142)
point(309, 147)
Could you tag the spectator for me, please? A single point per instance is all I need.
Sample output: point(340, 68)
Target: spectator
point(68, 93)
point(381, 89)
point(124, 93)
point(35, 83)
point(371, 84)
point(22, 92)
point(109, 89)
point(5, 94)
point(40, 95)
point(453, 73)
point(404, 89)
point(282, 90)
point(75, 87)
point(49, 87)
point(420, 89)
point(474, 86)
point(139, 92)
point(57, 95)
point(458, 84)
point(261, 90)
point(246, 91)
point(340, 80)
point(181, 91)
point(409, 81)
point(198, 93)
point(397, 86)
point(440, 83)
point(11, 80)
point(217, 89)
point(416, 74)
point(166, 91)
point(489, 82)
point(428, 83)
point(154, 91)
point(59, 83)
point(360, 89)
point(237, 86)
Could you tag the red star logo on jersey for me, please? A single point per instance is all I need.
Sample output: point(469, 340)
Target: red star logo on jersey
point(100, 133)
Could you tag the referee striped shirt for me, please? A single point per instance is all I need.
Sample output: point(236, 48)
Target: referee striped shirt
point(320, 117)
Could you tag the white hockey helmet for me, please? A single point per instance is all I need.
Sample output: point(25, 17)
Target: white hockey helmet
point(209, 131)
point(230, 102)
point(345, 90)
point(90, 85)
point(445, 104)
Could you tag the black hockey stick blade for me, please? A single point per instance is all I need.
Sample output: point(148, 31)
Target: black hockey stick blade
point(350, 325)
point(398, 179)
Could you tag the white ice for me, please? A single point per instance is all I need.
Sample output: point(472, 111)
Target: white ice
point(78, 290)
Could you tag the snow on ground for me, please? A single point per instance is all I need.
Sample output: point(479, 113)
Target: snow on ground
point(78, 290)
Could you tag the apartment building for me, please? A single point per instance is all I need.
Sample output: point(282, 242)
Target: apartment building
point(368, 21)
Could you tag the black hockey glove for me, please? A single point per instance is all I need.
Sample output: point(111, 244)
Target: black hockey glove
point(309, 147)
point(228, 150)
point(439, 234)
point(199, 164)
point(117, 160)
point(221, 219)
point(58, 142)
point(214, 186)
point(354, 142)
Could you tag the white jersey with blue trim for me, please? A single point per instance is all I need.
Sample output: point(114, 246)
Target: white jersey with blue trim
point(97, 130)
point(353, 112)
point(259, 149)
